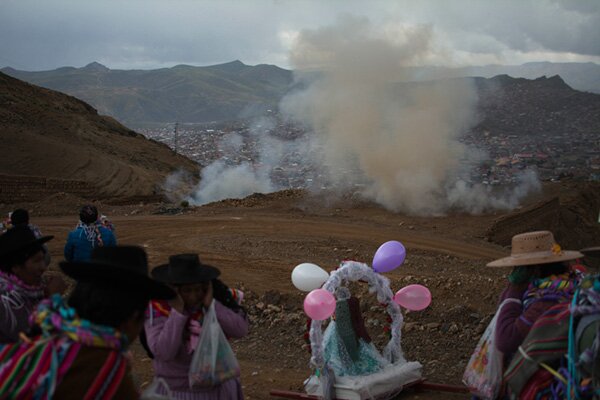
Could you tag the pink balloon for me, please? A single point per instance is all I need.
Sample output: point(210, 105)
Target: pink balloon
point(319, 304)
point(413, 297)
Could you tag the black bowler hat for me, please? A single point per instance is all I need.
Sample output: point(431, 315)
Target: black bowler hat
point(185, 269)
point(119, 265)
point(18, 239)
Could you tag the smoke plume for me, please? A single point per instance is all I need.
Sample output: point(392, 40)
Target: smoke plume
point(397, 141)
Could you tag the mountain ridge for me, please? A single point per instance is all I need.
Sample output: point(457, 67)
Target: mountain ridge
point(234, 90)
point(181, 93)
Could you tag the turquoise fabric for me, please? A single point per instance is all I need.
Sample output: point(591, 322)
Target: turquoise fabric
point(338, 359)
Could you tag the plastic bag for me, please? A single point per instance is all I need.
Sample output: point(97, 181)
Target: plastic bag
point(153, 392)
point(213, 361)
point(327, 380)
point(483, 375)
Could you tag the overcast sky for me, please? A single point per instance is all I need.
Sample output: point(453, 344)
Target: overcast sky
point(46, 34)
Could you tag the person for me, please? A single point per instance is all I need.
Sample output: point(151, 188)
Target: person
point(77, 348)
point(6, 224)
point(22, 265)
point(20, 217)
point(541, 278)
point(88, 234)
point(105, 222)
point(559, 357)
point(173, 328)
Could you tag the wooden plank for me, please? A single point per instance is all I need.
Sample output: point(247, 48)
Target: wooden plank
point(440, 387)
point(287, 394)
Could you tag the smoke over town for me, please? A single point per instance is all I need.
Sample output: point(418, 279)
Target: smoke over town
point(401, 139)
point(369, 129)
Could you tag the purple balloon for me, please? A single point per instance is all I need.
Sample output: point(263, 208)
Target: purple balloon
point(389, 256)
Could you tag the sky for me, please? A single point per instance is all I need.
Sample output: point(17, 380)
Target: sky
point(148, 34)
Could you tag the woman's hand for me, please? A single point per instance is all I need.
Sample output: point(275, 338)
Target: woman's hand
point(521, 276)
point(177, 302)
point(208, 298)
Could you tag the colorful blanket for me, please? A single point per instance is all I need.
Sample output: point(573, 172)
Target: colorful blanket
point(33, 368)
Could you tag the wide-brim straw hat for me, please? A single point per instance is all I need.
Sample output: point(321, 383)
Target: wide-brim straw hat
point(534, 248)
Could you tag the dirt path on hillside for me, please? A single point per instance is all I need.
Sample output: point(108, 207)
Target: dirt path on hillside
point(256, 249)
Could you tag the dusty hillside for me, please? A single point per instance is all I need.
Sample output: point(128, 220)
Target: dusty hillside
point(569, 210)
point(52, 135)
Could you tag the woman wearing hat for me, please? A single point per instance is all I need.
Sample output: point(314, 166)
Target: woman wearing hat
point(78, 347)
point(540, 279)
point(22, 264)
point(173, 328)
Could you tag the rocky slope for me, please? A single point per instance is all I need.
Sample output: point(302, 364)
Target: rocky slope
point(55, 136)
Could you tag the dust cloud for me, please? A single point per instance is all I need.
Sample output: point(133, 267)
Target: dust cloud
point(370, 129)
point(396, 141)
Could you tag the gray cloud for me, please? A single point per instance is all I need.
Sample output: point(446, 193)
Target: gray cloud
point(154, 33)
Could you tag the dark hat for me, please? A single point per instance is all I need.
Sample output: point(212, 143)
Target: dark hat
point(18, 239)
point(119, 265)
point(183, 269)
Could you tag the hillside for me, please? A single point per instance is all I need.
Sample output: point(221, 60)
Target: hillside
point(183, 93)
point(67, 144)
point(544, 105)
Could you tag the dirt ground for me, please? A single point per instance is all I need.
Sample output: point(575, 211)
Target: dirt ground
point(256, 248)
point(257, 241)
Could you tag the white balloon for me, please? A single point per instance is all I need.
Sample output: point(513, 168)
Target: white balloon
point(308, 276)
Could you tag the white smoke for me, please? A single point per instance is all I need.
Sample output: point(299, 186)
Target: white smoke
point(399, 139)
point(221, 181)
point(476, 199)
point(177, 185)
point(224, 179)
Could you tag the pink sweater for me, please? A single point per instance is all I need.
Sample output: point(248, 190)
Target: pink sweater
point(165, 337)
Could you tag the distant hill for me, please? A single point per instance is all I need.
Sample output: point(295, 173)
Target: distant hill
point(52, 135)
point(234, 90)
point(183, 93)
point(519, 106)
point(580, 76)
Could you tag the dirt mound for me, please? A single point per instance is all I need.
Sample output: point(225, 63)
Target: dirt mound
point(261, 199)
point(55, 136)
point(572, 216)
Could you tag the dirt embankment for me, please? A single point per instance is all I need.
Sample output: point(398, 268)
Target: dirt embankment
point(571, 215)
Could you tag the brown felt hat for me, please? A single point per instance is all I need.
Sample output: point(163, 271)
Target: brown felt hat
point(533, 248)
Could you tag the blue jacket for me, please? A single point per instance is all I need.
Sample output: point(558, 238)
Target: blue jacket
point(79, 248)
